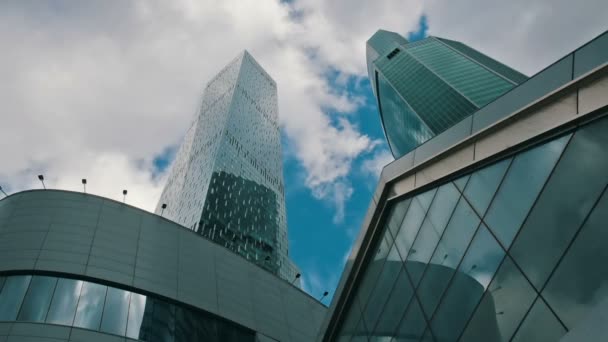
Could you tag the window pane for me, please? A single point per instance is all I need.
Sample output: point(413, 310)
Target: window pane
point(397, 213)
point(473, 276)
point(540, 325)
point(90, 306)
point(395, 306)
point(136, 315)
point(158, 323)
point(193, 326)
point(373, 269)
point(413, 325)
point(581, 280)
point(12, 295)
point(447, 256)
point(409, 228)
point(503, 306)
point(572, 189)
point(483, 184)
point(432, 228)
point(384, 284)
point(114, 320)
point(37, 300)
point(360, 334)
point(521, 186)
point(65, 299)
point(2, 279)
point(462, 182)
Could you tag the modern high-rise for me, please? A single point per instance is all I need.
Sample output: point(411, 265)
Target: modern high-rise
point(425, 87)
point(226, 182)
point(496, 228)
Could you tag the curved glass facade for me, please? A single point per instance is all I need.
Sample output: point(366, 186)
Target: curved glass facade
point(513, 251)
point(89, 305)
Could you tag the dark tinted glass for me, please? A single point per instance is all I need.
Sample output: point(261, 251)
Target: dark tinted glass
point(360, 334)
point(158, 323)
point(192, 326)
point(12, 295)
point(413, 325)
point(90, 306)
point(394, 308)
point(432, 228)
point(575, 185)
point(540, 325)
point(349, 326)
point(114, 320)
point(581, 279)
point(447, 256)
point(65, 299)
point(384, 284)
point(2, 279)
point(483, 184)
point(374, 268)
point(37, 300)
point(510, 297)
point(521, 186)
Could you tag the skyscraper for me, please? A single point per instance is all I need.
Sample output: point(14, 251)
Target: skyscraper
point(227, 178)
point(495, 229)
point(424, 87)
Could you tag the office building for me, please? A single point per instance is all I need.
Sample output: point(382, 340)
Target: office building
point(494, 229)
point(423, 88)
point(226, 182)
point(78, 267)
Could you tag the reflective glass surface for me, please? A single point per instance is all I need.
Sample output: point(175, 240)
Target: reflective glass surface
point(12, 294)
point(489, 244)
point(581, 278)
point(37, 300)
point(575, 185)
point(521, 186)
point(540, 325)
point(483, 184)
point(90, 306)
point(65, 300)
point(110, 310)
point(226, 182)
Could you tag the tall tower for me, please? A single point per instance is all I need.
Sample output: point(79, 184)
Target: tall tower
point(226, 182)
point(424, 87)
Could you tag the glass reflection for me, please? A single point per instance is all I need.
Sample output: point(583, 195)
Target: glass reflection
point(511, 295)
point(580, 281)
point(409, 228)
point(65, 299)
point(136, 315)
point(12, 295)
point(521, 186)
point(483, 184)
point(37, 300)
point(110, 310)
point(90, 306)
point(540, 325)
point(115, 311)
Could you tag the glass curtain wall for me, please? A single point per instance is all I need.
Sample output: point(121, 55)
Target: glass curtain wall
point(513, 251)
point(98, 307)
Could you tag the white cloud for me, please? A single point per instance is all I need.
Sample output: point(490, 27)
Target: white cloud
point(377, 162)
point(96, 89)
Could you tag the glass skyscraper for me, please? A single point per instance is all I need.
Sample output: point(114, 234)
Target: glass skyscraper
point(496, 228)
point(424, 87)
point(226, 182)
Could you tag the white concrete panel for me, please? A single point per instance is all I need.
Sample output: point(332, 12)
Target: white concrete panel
point(593, 96)
point(449, 164)
point(527, 126)
point(403, 185)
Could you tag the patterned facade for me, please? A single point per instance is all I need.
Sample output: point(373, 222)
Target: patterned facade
point(227, 178)
point(424, 87)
